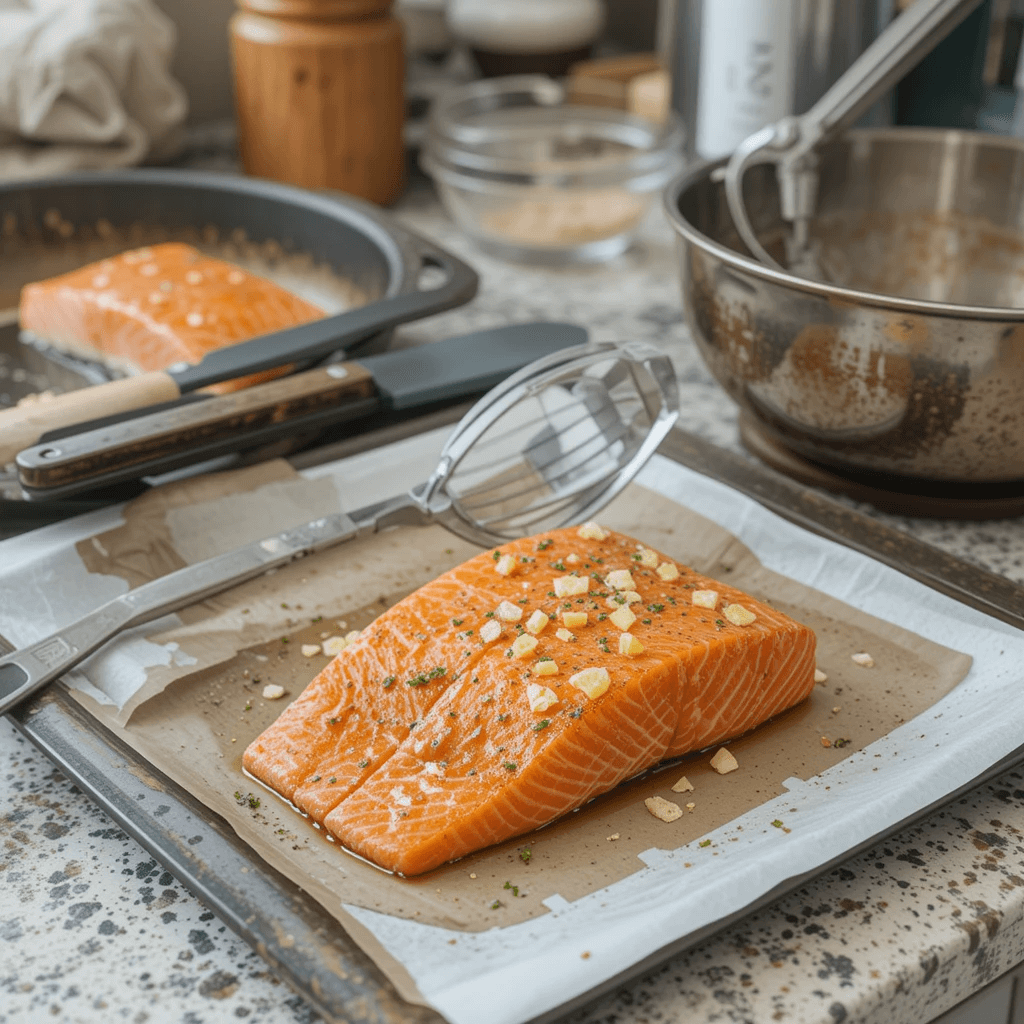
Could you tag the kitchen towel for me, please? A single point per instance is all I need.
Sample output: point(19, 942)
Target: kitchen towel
point(85, 84)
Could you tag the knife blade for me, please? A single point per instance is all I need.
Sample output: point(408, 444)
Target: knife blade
point(23, 426)
point(113, 451)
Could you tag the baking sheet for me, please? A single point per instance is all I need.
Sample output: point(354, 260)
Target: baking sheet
point(627, 926)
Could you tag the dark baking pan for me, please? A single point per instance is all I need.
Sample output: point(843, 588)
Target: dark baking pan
point(342, 254)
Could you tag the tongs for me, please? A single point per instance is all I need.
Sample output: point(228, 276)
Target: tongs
point(791, 143)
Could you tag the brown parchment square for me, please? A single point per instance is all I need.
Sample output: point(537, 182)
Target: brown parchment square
point(195, 728)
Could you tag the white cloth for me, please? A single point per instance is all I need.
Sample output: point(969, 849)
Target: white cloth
point(85, 84)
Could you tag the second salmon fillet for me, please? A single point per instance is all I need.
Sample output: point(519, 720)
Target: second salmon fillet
point(519, 685)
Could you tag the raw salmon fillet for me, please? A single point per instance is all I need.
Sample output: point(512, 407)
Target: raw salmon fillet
point(425, 740)
point(150, 308)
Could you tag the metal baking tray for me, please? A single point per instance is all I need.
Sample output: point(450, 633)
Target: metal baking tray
point(300, 942)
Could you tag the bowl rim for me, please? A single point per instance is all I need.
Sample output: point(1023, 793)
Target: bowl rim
point(675, 188)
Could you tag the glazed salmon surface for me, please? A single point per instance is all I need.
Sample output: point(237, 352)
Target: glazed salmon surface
point(149, 308)
point(425, 740)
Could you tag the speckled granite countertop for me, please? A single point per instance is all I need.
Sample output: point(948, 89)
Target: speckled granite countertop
point(92, 929)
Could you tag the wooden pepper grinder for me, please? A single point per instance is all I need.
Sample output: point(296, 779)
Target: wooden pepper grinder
point(319, 94)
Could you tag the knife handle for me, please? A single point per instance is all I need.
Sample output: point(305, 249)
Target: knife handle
point(23, 426)
point(153, 441)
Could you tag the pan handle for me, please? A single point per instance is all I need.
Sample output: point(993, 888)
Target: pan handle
point(460, 283)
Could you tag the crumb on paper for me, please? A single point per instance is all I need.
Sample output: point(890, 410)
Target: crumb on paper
point(682, 785)
point(863, 659)
point(472, 874)
point(826, 742)
point(273, 692)
point(310, 650)
point(836, 710)
point(690, 806)
point(723, 762)
point(334, 645)
point(662, 809)
point(585, 955)
point(819, 676)
point(612, 837)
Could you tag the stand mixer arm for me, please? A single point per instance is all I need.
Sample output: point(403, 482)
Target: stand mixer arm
point(791, 143)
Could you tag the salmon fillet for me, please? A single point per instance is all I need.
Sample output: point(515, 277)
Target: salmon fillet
point(147, 309)
point(427, 738)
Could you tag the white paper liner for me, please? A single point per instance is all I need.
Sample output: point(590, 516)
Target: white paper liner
point(511, 974)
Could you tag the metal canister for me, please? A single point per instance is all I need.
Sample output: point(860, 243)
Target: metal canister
point(738, 65)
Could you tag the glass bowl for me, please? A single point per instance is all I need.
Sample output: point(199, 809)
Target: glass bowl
point(535, 172)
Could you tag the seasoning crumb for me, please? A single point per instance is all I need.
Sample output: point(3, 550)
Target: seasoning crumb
point(310, 650)
point(690, 806)
point(863, 659)
point(819, 676)
point(662, 809)
point(682, 785)
point(273, 692)
point(826, 742)
point(585, 955)
point(612, 837)
point(472, 874)
point(723, 762)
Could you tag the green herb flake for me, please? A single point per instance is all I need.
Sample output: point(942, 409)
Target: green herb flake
point(542, 724)
point(502, 718)
point(511, 766)
point(514, 888)
point(544, 545)
point(333, 779)
point(333, 721)
point(316, 778)
point(656, 608)
point(364, 763)
point(705, 842)
point(495, 555)
point(389, 682)
point(646, 622)
point(525, 855)
point(559, 565)
point(496, 905)
point(457, 622)
point(842, 743)
point(472, 771)
point(489, 615)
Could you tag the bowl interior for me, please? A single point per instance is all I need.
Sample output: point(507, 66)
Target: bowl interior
point(928, 215)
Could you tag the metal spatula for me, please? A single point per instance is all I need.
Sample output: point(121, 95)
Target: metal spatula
point(547, 447)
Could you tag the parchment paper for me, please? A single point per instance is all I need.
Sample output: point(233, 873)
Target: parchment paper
point(581, 892)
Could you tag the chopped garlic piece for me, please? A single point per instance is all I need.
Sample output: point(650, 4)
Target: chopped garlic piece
point(546, 668)
point(574, 619)
point(509, 612)
point(572, 559)
point(620, 579)
point(819, 676)
point(273, 692)
point(738, 615)
point(505, 566)
point(310, 650)
point(540, 697)
point(334, 645)
point(648, 558)
point(537, 622)
point(863, 659)
point(591, 531)
point(490, 631)
point(628, 644)
point(612, 837)
point(623, 618)
point(683, 785)
point(723, 762)
point(667, 571)
point(572, 586)
point(523, 645)
point(662, 809)
point(351, 635)
point(564, 634)
point(690, 806)
point(592, 681)
point(705, 598)
point(626, 597)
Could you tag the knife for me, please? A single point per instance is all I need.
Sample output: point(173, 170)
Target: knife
point(310, 342)
point(171, 436)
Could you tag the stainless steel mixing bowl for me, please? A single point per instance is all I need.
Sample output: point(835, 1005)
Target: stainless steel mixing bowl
point(909, 361)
